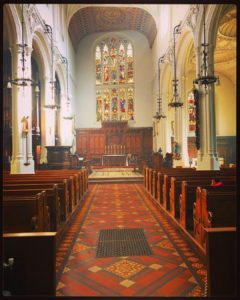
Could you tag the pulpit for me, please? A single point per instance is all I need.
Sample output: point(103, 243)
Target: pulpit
point(58, 157)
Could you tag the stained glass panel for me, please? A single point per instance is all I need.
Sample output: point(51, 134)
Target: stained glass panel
point(122, 103)
point(106, 105)
point(105, 55)
point(130, 104)
point(99, 105)
point(98, 66)
point(191, 112)
point(114, 80)
point(114, 106)
point(130, 63)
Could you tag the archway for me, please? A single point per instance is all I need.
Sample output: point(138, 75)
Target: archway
point(225, 89)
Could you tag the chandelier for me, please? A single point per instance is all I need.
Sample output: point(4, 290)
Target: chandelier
point(204, 78)
point(159, 114)
point(48, 30)
point(175, 101)
point(23, 81)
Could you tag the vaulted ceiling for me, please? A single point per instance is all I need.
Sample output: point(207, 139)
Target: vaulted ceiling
point(225, 51)
point(105, 19)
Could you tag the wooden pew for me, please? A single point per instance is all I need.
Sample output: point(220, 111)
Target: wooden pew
point(221, 254)
point(176, 188)
point(154, 184)
point(25, 214)
point(80, 177)
point(48, 179)
point(160, 181)
point(34, 268)
point(35, 184)
point(208, 174)
point(215, 208)
point(81, 174)
point(187, 198)
point(147, 179)
point(53, 202)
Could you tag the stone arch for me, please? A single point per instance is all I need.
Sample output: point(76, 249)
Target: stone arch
point(13, 24)
point(216, 12)
point(42, 52)
point(60, 71)
point(186, 59)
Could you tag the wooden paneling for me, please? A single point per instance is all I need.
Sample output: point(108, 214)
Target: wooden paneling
point(226, 148)
point(91, 142)
point(34, 268)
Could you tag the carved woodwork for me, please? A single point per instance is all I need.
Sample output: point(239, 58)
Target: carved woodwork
point(92, 143)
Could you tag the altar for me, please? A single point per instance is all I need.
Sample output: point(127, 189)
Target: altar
point(114, 160)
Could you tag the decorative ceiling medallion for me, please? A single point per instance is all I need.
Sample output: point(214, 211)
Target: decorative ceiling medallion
point(110, 17)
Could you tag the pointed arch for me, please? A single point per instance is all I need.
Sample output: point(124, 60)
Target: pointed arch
point(13, 24)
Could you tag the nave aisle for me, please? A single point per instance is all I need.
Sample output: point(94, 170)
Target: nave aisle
point(173, 269)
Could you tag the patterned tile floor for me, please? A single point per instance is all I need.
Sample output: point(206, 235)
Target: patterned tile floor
point(114, 173)
point(173, 269)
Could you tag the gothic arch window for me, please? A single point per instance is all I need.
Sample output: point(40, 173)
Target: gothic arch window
point(114, 59)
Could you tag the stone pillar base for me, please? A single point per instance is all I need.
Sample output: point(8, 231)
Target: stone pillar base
point(18, 166)
point(207, 162)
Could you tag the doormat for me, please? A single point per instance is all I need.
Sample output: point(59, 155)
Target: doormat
point(122, 242)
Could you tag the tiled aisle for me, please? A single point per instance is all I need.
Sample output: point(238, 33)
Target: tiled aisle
point(172, 270)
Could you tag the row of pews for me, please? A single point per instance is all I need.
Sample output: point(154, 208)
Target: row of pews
point(205, 214)
point(38, 209)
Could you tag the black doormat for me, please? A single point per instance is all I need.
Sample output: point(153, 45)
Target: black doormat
point(122, 242)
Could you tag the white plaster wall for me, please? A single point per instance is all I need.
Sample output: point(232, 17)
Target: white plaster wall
point(178, 13)
point(85, 80)
point(46, 11)
point(225, 106)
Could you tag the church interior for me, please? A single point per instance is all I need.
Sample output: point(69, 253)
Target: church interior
point(119, 150)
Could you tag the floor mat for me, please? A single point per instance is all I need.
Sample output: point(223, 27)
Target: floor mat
point(122, 242)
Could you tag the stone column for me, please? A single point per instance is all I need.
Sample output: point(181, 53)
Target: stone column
point(184, 139)
point(47, 119)
point(178, 135)
point(207, 158)
point(22, 159)
point(178, 130)
point(61, 119)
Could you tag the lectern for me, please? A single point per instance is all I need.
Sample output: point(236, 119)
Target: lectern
point(58, 157)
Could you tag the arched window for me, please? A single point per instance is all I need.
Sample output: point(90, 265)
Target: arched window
point(114, 80)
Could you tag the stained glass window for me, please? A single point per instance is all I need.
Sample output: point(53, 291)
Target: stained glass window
point(114, 80)
point(191, 112)
point(98, 66)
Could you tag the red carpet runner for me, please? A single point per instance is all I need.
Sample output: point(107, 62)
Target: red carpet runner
point(172, 270)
